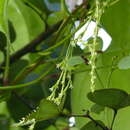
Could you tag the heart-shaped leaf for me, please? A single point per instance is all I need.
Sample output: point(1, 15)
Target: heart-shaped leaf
point(112, 98)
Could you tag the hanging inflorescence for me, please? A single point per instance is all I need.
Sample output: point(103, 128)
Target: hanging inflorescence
point(58, 90)
point(100, 7)
point(92, 47)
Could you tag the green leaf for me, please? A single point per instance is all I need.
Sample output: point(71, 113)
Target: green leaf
point(3, 41)
point(4, 96)
point(1, 56)
point(127, 101)
point(64, 7)
point(16, 108)
point(51, 128)
point(75, 60)
point(122, 119)
point(119, 42)
point(124, 63)
point(62, 124)
point(42, 125)
point(52, 5)
point(92, 126)
point(112, 20)
point(46, 110)
point(15, 71)
point(26, 22)
point(4, 37)
point(12, 32)
point(97, 108)
point(55, 17)
point(79, 101)
point(4, 122)
point(37, 5)
point(112, 98)
point(74, 128)
point(3, 5)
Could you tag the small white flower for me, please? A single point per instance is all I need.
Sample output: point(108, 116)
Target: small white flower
point(88, 30)
point(72, 4)
point(71, 121)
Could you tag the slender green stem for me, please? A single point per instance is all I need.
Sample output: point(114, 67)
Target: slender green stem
point(111, 71)
point(7, 53)
point(65, 39)
point(99, 67)
point(114, 117)
point(26, 84)
point(114, 2)
point(26, 71)
point(62, 27)
point(109, 78)
point(31, 67)
point(97, 75)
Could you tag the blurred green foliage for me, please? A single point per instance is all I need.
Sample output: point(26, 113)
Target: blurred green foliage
point(22, 21)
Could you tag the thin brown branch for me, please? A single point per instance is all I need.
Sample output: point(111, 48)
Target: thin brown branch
point(32, 45)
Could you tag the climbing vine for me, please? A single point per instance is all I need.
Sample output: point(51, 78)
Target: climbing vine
point(64, 64)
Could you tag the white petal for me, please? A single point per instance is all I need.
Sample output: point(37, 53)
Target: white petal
point(71, 121)
point(106, 38)
point(88, 30)
point(79, 2)
point(72, 4)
